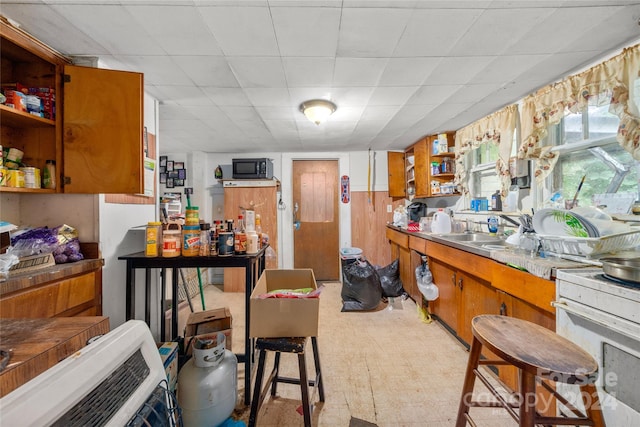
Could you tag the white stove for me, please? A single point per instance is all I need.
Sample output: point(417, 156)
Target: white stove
point(603, 317)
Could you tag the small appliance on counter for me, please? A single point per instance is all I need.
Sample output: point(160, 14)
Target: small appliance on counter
point(416, 210)
point(252, 168)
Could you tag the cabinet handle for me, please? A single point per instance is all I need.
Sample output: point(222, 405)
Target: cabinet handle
point(460, 283)
point(503, 309)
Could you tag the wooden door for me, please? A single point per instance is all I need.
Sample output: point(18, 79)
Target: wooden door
point(396, 174)
point(446, 306)
point(316, 234)
point(263, 201)
point(102, 131)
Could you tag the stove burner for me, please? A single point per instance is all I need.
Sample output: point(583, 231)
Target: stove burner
point(625, 283)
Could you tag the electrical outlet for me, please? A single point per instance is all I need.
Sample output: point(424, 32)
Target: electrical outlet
point(389, 208)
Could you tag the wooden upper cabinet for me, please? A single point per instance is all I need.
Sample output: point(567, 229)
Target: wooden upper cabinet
point(102, 131)
point(96, 136)
point(396, 170)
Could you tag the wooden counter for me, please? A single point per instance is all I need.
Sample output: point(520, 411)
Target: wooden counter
point(38, 344)
point(72, 289)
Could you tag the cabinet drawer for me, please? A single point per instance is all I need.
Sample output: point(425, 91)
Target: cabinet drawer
point(51, 300)
point(398, 238)
point(525, 286)
point(418, 244)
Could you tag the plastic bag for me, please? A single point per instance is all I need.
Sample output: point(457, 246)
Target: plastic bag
point(62, 241)
point(7, 260)
point(424, 278)
point(390, 280)
point(361, 289)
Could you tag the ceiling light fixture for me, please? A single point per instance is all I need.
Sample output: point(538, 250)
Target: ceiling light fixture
point(317, 110)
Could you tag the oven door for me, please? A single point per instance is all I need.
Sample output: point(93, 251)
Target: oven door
point(615, 344)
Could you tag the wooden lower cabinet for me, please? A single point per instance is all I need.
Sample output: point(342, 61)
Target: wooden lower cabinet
point(63, 290)
point(447, 306)
point(399, 244)
point(476, 297)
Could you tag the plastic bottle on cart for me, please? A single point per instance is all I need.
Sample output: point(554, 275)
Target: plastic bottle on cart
point(240, 238)
point(205, 239)
point(153, 245)
point(259, 230)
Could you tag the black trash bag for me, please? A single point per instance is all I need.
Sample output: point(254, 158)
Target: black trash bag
point(361, 289)
point(390, 280)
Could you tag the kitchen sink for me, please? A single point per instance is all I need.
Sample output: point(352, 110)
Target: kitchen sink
point(470, 237)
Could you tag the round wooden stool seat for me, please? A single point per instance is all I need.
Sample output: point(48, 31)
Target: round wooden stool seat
point(539, 354)
point(535, 349)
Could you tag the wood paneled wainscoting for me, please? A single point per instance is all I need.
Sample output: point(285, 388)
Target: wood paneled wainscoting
point(369, 222)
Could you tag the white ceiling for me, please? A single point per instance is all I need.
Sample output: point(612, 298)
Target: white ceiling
point(230, 75)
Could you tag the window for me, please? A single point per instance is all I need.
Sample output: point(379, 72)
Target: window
point(586, 145)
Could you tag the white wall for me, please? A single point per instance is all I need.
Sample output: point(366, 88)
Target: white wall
point(121, 231)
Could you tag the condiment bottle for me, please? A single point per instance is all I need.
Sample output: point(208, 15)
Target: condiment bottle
point(259, 230)
point(240, 238)
point(49, 174)
point(153, 239)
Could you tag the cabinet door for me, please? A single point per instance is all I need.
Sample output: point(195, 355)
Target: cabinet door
point(396, 171)
point(421, 168)
point(446, 306)
point(477, 297)
point(102, 131)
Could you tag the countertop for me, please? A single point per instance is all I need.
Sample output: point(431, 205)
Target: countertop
point(542, 267)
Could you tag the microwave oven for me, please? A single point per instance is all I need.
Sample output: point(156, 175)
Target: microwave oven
point(252, 168)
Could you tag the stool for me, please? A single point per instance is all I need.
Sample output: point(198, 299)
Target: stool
point(538, 353)
point(286, 345)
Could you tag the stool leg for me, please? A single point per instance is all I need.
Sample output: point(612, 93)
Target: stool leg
point(316, 361)
point(304, 388)
point(469, 381)
point(527, 399)
point(592, 404)
point(257, 390)
point(276, 370)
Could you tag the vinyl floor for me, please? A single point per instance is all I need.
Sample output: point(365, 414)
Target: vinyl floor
point(385, 367)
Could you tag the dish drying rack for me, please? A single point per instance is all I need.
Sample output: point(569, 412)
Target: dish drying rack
point(590, 246)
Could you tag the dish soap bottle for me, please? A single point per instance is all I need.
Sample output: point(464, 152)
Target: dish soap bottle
point(493, 224)
point(218, 173)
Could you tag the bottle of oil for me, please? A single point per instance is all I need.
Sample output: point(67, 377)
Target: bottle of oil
point(240, 238)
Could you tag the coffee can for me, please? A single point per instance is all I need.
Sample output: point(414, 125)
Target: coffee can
point(225, 243)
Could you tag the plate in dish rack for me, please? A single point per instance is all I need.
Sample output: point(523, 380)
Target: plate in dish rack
point(560, 222)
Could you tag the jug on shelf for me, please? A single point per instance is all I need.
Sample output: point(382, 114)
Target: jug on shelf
point(441, 223)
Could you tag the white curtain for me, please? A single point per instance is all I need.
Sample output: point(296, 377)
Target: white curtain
point(615, 81)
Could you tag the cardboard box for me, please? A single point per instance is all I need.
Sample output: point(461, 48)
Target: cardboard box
point(169, 355)
point(284, 317)
point(206, 324)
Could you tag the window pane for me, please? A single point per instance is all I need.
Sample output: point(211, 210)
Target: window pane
point(572, 166)
point(601, 122)
point(572, 128)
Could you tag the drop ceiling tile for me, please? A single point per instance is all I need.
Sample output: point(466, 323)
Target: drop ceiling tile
point(158, 70)
point(242, 30)
point(184, 95)
point(358, 71)
point(258, 71)
point(434, 32)
point(473, 93)
point(371, 32)
point(389, 95)
point(306, 31)
point(277, 113)
point(268, 97)
point(43, 22)
point(111, 26)
point(351, 95)
point(227, 96)
point(458, 70)
point(504, 69)
point(407, 71)
point(179, 30)
point(496, 29)
point(300, 94)
point(379, 113)
point(174, 112)
point(308, 72)
point(433, 95)
point(207, 70)
point(346, 113)
point(240, 113)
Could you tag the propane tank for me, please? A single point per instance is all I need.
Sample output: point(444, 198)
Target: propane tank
point(208, 384)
